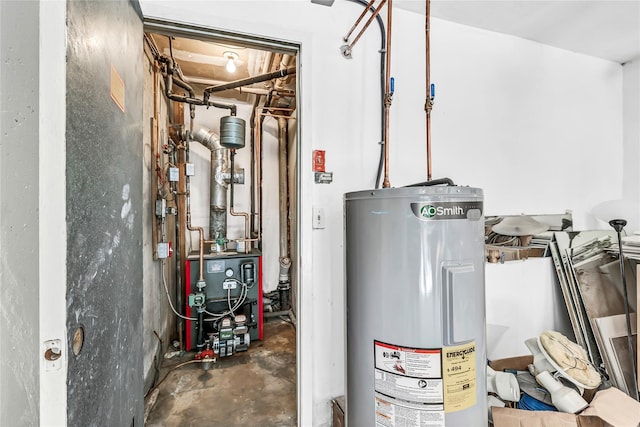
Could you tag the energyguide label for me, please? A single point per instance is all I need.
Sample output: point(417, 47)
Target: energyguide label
point(459, 367)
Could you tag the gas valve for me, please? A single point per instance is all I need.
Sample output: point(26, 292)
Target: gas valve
point(207, 356)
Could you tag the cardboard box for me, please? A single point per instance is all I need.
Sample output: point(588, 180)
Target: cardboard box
point(607, 408)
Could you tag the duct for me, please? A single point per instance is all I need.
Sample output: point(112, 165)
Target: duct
point(217, 188)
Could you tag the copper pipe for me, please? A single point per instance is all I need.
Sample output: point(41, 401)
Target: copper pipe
point(364, 12)
point(387, 97)
point(258, 157)
point(231, 203)
point(154, 154)
point(429, 99)
point(200, 230)
point(366, 25)
point(246, 224)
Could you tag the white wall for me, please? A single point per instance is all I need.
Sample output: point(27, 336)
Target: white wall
point(524, 299)
point(631, 113)
point(535, 126)
point(52, 207)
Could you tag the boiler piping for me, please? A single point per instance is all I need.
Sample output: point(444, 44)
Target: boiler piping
point(248, 81)
point(231, 206)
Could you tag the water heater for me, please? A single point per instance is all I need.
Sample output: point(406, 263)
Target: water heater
point(416, 351)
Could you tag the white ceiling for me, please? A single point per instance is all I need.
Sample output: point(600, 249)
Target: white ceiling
point(608, 29)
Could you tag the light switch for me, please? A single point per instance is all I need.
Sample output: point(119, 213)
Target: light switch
point(318, 217)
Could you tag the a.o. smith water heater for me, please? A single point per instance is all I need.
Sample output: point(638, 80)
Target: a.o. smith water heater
point(416, 351)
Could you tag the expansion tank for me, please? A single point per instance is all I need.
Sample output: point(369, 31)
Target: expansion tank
point(416, 351)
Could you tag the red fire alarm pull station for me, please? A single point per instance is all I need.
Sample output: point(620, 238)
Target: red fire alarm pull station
point(318, 160)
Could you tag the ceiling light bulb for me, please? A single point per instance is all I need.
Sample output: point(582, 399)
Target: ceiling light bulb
point(231, 65)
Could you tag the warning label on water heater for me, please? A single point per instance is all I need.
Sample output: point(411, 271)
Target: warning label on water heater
point(408, 386)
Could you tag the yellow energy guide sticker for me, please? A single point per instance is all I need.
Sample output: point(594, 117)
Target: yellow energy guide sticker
point(459, 376)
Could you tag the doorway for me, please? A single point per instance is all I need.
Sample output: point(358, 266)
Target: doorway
point(220, 211)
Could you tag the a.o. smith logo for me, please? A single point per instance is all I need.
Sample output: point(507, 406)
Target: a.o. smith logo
point(429, 211)
point(447, 210)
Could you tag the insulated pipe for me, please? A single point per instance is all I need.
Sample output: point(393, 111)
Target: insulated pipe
point(387, 98)
point(430, 183)
point(248, 81)
point(217, 188)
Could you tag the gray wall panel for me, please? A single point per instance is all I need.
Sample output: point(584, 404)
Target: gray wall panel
point(19, 144)
point(104, 214)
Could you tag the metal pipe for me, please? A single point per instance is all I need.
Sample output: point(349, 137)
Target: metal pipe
point(191, 99)
point(429, 183)
point(154, 156)
point(387, 98)
point(429, 96)
point(258, 156)
point(252, 143)
point(231, 203)
point(618, 225)
point(366, 25)
point(200, 230)
point(364, 12)
point(282, 187)
point(248, 81)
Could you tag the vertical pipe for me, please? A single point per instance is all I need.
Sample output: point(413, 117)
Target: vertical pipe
point(252, 144)
point(387, 100)
point(282, 186)
point(181, 254)
point(258, 155)
point(154, 156)
point(428, 100)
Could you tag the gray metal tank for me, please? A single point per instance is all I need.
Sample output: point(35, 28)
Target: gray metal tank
point(416, 352)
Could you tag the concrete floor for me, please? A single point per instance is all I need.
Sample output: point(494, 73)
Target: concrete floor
point(252, 388)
